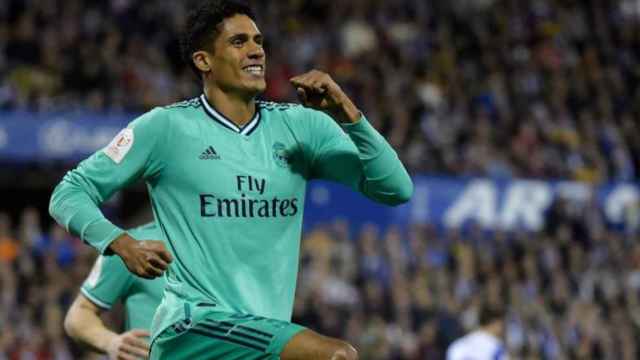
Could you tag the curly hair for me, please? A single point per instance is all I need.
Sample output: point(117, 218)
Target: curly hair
point(201, 28)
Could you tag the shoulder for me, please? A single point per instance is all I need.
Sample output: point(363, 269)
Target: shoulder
point(475, 342)
point(157, 119)
point(107, 269)
point(106, 265)
point(459, 347)
point(457, 344)
point(295, 114)
point(193, 103)
point(286, 110)
point(273, 106)
point(182, 108)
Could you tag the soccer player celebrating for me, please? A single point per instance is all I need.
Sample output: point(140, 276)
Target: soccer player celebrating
point(226, 176)
point(109, 282)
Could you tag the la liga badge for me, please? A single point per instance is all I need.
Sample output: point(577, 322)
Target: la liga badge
point(120, 145)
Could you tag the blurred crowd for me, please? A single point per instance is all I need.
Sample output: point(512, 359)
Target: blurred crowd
point(40, 274)
point(570, 292)
point(543, 88)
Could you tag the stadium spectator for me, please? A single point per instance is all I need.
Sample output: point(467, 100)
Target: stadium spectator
point(486, 342)
point(8, 244)
point(450, 84)
point(570, 291)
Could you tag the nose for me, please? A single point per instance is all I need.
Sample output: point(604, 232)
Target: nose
point(256, 51)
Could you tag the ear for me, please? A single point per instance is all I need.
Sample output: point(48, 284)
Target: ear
point(201, 60)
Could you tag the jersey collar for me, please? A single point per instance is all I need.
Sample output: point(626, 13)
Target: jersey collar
point(246, 130)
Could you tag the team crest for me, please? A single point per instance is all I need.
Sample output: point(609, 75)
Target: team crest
point(280, 154)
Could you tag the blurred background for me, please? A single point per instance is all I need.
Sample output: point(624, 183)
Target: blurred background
point(519, 120)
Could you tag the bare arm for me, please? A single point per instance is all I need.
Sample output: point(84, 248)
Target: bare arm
point(83, 324)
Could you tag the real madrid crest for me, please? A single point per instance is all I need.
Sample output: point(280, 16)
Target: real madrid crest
point(280, 154)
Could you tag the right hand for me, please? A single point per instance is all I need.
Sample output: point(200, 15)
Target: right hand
point(131, 345)
point(145, 258)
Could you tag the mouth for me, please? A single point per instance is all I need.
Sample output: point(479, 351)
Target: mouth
point(255, 70)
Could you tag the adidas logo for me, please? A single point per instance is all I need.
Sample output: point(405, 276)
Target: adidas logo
point(209, 154)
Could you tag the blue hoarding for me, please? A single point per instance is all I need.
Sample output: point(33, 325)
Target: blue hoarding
point(65, 136)
point(443, 201)
point(492, 204)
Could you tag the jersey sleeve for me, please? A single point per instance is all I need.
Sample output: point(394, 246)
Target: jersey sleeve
point(134, 153)
point(108, 282)
point(358, 156)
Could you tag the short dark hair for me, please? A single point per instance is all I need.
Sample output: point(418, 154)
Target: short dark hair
point(489, 314)
point(201, 28)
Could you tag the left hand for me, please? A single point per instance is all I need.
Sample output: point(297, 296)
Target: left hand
point(318, 91)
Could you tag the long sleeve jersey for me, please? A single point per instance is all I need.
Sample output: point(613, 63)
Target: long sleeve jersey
point(228, 199)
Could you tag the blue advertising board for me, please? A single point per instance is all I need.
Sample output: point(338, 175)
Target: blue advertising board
point(442, 201)
point(451, 202)
point(29, 137)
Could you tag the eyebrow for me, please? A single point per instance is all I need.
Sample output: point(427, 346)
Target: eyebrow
point(245, 36)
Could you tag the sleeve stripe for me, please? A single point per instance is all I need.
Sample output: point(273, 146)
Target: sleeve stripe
point(94, 299)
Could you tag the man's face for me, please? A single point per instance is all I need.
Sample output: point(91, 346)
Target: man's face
point(238, 60)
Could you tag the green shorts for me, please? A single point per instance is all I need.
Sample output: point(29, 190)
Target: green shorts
point(221, 335)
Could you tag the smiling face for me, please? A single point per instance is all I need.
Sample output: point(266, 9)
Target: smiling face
point(237, 63)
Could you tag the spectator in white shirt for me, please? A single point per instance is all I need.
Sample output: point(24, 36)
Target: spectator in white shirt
point(485, 343)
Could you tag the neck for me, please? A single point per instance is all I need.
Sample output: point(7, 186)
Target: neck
point(238, 109)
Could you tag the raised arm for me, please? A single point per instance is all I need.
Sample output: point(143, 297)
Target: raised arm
point(356, 155)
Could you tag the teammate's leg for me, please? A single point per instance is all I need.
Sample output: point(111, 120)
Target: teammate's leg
point(309, 345)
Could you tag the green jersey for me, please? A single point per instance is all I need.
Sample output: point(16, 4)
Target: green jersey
point(110, 281)
point(228, 199)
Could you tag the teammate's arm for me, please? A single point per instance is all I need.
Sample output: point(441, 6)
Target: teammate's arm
point(83, 324)
point(362, 160)
point(135, 153)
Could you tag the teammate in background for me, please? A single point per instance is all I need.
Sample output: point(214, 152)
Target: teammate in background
point(486, 342)
point(109, 282)
point(227, 175)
